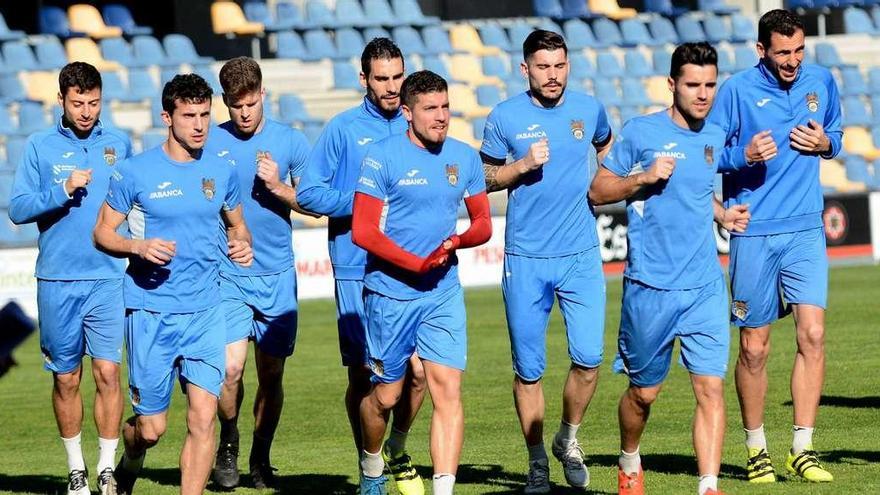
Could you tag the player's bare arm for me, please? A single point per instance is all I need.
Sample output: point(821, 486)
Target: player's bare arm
point(105, 236)
point(609, 188)
point(239, 236)
point(603, 149)
point(500, 176)
point(267, 170)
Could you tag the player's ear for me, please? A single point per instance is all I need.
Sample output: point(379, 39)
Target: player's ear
point(363, 80)
point(760, 48)
point(166, 117)
point(407, 113)
point(524, 69)
point(671, 83)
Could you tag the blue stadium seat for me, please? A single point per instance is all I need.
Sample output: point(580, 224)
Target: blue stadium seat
point(148, 51)
point(409, 12)
point(349, 43)
point(489, 95)
point(118, 15)
point(107, 118)
point(156, 113)
point(606, 91)
point(31, 117)
point(548, 24)
point(319, 14)
point(210, 77)
point(852, 82)
point(290, 45)
point(636, 64)
point(576, 8)
point(716, 29)
point(7, 127)
point(715, 6)
point(379, 12)
point(495, 65)
point(661, 59)
point(689, 29)
point(153, 138)
point(180, 50)
point(437, 39)
point(345, 76)
point(113, 88)
point(635, 92)
point(635, 32)
point(607, 65)
point(662, 30)
point(7, 34)
point(515, 84)
point(827, 55)
point(287, 12)
point(408, 37)
point(857, 21)
point(11, 88)
point(19, 56)
point(141, 84)
point(492, 34)
point(855, 112)
point(50, 53)
point(875, 135)
point(53, 20)
point(258, 11)
point(577, 34)
point(118, 50)
point(875, 14)
point(5, 190)
point(319, 44)
point(857, 170)
point(663, 7)
point(372, 33)
point(412, 63)
point(312, 131)
point(607, 31)
point(520, 30)
point(291, 109)
point(745, 57)
point(581, 67)
point(742, 29)
point(478, 125)
point(547, 8)
point(436, 65)
point(628, 112)
point(15, 149)
point(350, 13)
point(874, 80)
point(725, 61)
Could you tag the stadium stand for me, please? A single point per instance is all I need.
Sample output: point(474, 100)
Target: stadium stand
point(87, 19)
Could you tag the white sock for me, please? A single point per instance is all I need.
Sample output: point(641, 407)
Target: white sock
point(630, 463)
point(755, 439)
point(567, 433)
point(537, 452)
point(372, 465)
point(74, 453)
point(707, 482)
point(802, 439)
point(443, 483)
point(396, 443)
point(107, 453)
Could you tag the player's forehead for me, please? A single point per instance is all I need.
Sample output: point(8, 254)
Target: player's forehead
point(75, 94)
point(432, 99)
point(691, 73)
point(386, 67)
point(248, 98)
point(182, 106)
point(548, 57)
point(781, 42)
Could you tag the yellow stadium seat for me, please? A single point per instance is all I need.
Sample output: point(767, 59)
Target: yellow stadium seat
point(611, 9)
point(464, 37)
point(657, 88)
point(219, 110)
point(461, 129)
point(227, 18)
point(467, 68)
point(857, 141)
point(462, 100)
point(86, 18)
point(832, 173)
point(85, 50)
point(42, 86)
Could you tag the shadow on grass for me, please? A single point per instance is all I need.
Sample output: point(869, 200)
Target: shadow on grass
point(857, 457)
point(33, 483)
point(869, 402)
point(325, 484)
point(502, 482)
point(669, 464)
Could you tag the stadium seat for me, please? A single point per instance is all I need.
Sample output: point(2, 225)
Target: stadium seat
point(742, 29)
point(142, 85)
point(606, 91)
point(833, 174)
point(436, 39)
point(852, 82)
point(857, 21)
point(716, 7)
point(661, 59)
point(349, 43)
point(854, 112)
point(611, 9)
point(288, 12)
point(857, 170)
point(15, 148)
point(634, 92)
point(291, 109)
point(11, 88)
point(496, 65)
point(53, 20)
point(465, 38)
point(467, 68)
point(258, 11)
point(113, 88)
point(41, 86)
point(576, 8)
point(636, 64)
point(210, 76)
point(725, 61)
point(319, 14)
point(520, 30)
point(118, 50)
point(409, 12)
point(857, 141)
point(547, 8)
point(607, 31)
point(657, 88)
point(628, 111)
point(408, 37)
point(461, 129)
point(662, 30)
point(19, 56)
point(153, 138)
point(689, 29)
point(827, 55)
point(874, 80)
point(580, 66)
point(179, 49)
point(50, 53)
point(319, 44)
point(312, 131)
point(663, 7)
point(478, 125)
point(635, 32)
point(875, 111)
point(156, 114)
point(85, 50)
point(463, 101)
point(489, 95)
point(345, 76)
point(86, 18)
point(578, 34)
point(291, 46)
point(716, 29)
point(7, 34)
point(5, 189)
point(437, 65)
point(7, 127)
point(494, 35)
point(118, 15)
point(607, 65)
point(228, 19)
point(148, 51)
point(744, 57)
point(351, 13)
point(31, 118)
point(378, 13)
point(372, 33)
point(412, 63)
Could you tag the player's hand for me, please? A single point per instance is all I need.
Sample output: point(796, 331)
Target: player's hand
point(452, 243)
point(240, 252)
point(761, 148)
point(538, 155)
point(439, 257)
point(810, 138)
point(267, 170)
point(156, 251)
point(661, 169)
point(736, 218)
point(77, 179)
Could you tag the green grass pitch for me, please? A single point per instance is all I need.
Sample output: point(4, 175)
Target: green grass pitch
point(314, 453)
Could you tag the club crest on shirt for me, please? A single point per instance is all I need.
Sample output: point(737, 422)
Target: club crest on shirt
point(208, 188)
point(709, 154)
point(452, 174)
point(740, 309)
point(135, 396)
point(110, 155)
point(377, 366)
point(577, 129)
point(812, 102)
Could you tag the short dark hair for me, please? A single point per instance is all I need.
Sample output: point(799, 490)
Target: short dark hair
point(701, 53)
point(379, 49)
point(540, 39)
point(419, 83)
point(778, 21)
point(240, 76)
point(79, 75)
point(188, 88)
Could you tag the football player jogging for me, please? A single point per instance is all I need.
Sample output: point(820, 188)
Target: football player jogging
point(60, 184)
point(781, 117)
point(405, 212)
point(259, 302)
point(664, 165)
point(551, 247)
point(173, 197)
point(327, 188)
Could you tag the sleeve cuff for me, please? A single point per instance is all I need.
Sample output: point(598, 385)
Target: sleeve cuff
point(738, 159)
point(60, 196)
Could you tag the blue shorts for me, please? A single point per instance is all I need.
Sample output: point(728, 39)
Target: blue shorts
point(767, 270)
point(261, 308)
point(529, 286)
point(163, 347)
point(652, 318)
point(351, 322)
point(434, 326)
point(77, 318)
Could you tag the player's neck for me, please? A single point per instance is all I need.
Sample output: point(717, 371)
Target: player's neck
point(683, 120)
point(387, 114)
point(76, 132)
point(180, 153)
point(247, 135)
point(539, 100)
point(416, 140)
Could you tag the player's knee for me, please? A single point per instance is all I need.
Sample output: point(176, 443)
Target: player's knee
point(67, 384)
point(753, 352)
point(709, 392)
point(200, 422)
point(151, 431)
point(234, 372)
point(418, 381)
point(644, 396)
point(811, 339)
point(586, 376)
point(106, 375)
point(385, 398)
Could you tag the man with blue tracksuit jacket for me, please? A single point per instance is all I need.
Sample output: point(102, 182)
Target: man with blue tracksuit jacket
point(781, 117)
point(60, 184)
point(327, 188)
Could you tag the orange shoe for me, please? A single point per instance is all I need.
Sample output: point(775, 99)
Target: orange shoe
point(630, 484)
point(714, 492)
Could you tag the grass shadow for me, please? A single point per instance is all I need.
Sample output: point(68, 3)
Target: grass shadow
point(324, 484)
point(856, 457)
point(868, 402)
point(504, 482)
point(42, 484)
point(669, 464)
